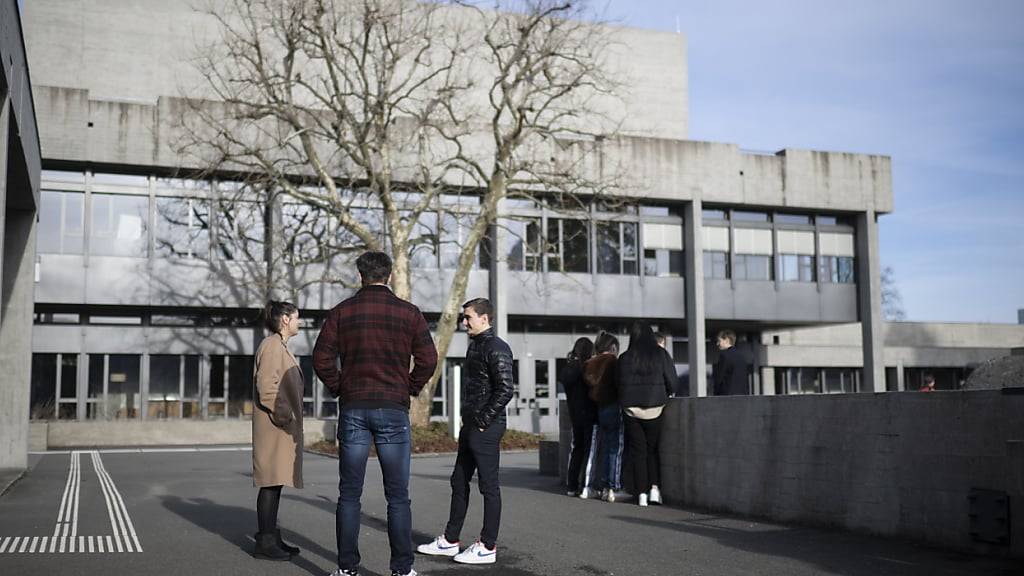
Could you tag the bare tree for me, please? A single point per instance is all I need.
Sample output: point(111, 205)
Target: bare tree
point(892, 301)
point(360, 121)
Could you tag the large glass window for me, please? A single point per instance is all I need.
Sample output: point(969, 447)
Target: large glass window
point(841, 380)
point(837, 269)
point(308, 381)
point(568, 245)
point(752, 267)
point(716, 265)
point(617, 248)
point(240, 230)
point(61, 222)
point(182, 227)
point(454, 233)
point(240, 388)
point(796, 268)
point(215, 404)
point(119, 225)
point(525, 243)
point(43, 394)
point(113, 389)
point(164, 396)
point(307, 232)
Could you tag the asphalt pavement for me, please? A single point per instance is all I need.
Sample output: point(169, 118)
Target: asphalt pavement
point(190, 513)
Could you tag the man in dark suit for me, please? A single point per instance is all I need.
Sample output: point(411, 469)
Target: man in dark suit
point(730, 372)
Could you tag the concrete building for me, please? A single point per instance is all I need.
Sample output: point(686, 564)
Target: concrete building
point(19, 201)
point(143, 312)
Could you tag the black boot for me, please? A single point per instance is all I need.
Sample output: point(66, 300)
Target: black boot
point(267, 548)
point(286, 547)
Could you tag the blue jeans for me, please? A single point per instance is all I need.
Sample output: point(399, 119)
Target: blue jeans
point(609, 420)
point(389, 430)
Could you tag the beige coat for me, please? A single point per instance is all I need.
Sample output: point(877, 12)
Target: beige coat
point(277, 421)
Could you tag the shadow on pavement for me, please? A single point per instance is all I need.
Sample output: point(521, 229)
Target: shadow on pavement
point(236, 524)
point(819, 547)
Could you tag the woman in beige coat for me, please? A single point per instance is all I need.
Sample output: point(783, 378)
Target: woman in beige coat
point(276, 426)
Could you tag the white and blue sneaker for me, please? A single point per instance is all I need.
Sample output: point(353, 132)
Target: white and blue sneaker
point(477, 554)
point(439, 547)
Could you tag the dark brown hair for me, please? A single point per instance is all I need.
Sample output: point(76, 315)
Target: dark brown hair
point(274, 311)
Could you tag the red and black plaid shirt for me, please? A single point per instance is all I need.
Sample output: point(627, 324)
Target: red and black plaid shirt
point(374, 334)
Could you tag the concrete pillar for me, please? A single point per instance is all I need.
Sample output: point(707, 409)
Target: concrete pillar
point(869, 302)
point(17, 282)
point(694, 255)
point(768, 381)
point(900, 384)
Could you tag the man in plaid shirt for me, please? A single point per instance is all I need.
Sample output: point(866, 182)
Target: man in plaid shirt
point(372, 336)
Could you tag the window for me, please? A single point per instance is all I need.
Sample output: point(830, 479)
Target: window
point(792, 219)
point(113, 389)
point(119, 225)
point(837, 269)
point(54, 390)
point(740, 215)
point(754, 250)
point(454, 233)
point(617, 248)
point(163, 400)
point(841, 380)
point(215, 403)
point(526, 240)
point(568, 248)
point(796, 268)
point(542, 388)
point(240, 388)
point(663, 249)
point(663, 262)
point(716, 252)
point(796, 255)
point(711, 214)
point(308, 384)
point(752, 267)
point(182, 227)
point(61, 222)
point(307, 231)
point(800, 380)
point(240, 230)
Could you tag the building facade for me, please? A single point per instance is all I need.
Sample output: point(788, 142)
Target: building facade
point(145, 303)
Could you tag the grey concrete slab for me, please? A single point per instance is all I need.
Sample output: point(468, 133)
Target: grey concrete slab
point(193, 513)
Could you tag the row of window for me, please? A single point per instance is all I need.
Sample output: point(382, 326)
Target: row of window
point(791, 267)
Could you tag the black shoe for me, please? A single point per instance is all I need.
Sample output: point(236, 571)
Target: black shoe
point(267, 549)
point(286, 547)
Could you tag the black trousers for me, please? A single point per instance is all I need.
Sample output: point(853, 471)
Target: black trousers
point(478, 452)
point(582, 456)
point(642, 437)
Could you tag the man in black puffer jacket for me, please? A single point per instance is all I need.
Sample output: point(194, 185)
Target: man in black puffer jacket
point(487, 386)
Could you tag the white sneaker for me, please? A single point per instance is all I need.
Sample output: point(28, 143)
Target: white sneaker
point(411, 572)
point(571, 493)
point(477, 554)
point(586, 493)
point(616, 496)
point(439, 547)
point(655, 495)
point(643, 499)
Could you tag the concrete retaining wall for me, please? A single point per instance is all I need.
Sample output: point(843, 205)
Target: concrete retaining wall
point(895, 464)
point(63, 435)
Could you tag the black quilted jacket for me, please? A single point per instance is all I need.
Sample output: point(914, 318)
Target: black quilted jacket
point(487, 383)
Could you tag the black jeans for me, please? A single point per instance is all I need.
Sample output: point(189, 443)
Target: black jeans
point(643, 436)
point(582, 455)
point(479, 452)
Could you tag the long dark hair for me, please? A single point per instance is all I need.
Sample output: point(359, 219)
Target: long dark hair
point(273, 312)
point(582, 350)
point(647, 355)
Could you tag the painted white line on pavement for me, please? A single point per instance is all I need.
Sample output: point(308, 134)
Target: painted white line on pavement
point(24, 545)
point(99, 543)
point(110, 545)
point(110, 505)
point(32, 546)
point(4, 543)
point(78, 490)
point(14, 544)
point(120, 502)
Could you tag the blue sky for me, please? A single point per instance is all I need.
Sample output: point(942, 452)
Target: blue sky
point(938, 85)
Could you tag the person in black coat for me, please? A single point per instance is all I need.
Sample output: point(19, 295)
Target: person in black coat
point(583, 415)
point(730, 372)
point(646, 379)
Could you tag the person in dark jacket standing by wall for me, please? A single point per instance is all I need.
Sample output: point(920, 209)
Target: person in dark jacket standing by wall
point(373, 335)
point(730, 371)
point(583, 415)
point(487, 388)
point(646, 377)
point(599, 374)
